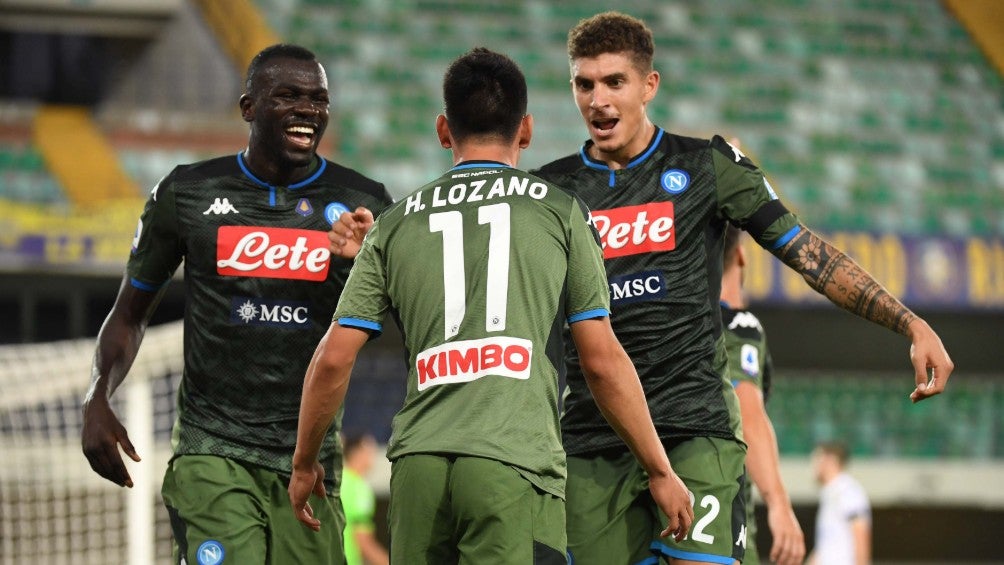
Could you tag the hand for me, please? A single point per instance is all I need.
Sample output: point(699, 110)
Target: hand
point(673, 498)
point(301, 484)
point(100, 438)
point(789, 542)
point(346, 235)
point(927, 353)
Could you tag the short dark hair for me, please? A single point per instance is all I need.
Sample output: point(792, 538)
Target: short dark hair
point(484, 95)
point(613, 32)
point(733, 237)
point(277, 51)
point(354, 440)
point(837, 449)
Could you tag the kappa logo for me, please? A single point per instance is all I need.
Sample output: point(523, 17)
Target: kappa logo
point(469, 360)
point(220, 206)
point(745, 320)
point(631, 230)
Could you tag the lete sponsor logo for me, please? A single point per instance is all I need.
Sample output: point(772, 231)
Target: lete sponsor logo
point(275, 253)
point(636, 229)
point(469, 360)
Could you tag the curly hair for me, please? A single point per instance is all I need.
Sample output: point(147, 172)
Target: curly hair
point(613, 32)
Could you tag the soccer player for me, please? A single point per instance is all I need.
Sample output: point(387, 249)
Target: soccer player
point(481, 268)
point(359, 503)
point(750, 368)
point(660, 202)
point(261, 285)
point(844, 517)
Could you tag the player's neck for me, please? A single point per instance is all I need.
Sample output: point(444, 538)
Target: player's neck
point(732, 289)
point(507, 155)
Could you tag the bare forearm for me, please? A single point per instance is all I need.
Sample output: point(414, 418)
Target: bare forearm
point(762, 459)
point(373, 553)
point(838, 277)
point(324, 388)
point(119, 339)
point(620, 398)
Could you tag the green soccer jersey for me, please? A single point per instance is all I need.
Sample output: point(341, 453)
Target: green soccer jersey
point(746, 346)
point(481, 268)
point(748, 361)
point(260, 288)
point(661, 220)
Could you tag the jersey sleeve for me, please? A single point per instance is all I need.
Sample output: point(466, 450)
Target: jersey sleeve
point(746, 198)
point(586, 279)
point(364, 301)
point(157, 249)
point(854, 504)
point(745, 362)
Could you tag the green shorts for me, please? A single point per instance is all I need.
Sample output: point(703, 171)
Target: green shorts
point(612, 518)
point(223, 511)
point(469, 510)
point(752, 553)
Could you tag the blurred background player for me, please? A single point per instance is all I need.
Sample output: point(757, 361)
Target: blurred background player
point(844, 518)
point(359, 502)
point(660, 202)
point(481, 277)
point(261, 286)
point(750, 369)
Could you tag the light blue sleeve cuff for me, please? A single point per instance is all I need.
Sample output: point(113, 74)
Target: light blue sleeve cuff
point(588, 315)
point(788, 236)
point(144, 286)
point(360, 324)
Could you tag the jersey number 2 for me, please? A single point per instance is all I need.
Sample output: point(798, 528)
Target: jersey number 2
point(451, 225)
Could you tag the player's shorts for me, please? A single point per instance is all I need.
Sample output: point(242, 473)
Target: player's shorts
point(447, 509)
point(612, 518)
point(752, 552)
point(223, 512)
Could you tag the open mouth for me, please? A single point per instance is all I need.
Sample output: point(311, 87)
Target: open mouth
point(604, 125)
point(301, 136)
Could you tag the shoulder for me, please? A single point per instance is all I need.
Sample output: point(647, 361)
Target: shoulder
point(743, 323)
point(565, 165)
point(216, 167)
point(346, 176)
point(673, 144)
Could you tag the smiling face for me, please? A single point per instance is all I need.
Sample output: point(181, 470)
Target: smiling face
point(287, 107)
point(612, 95)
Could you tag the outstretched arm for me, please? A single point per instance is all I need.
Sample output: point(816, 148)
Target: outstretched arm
point(118, 344)
point(324, 389)
point(762, 461)
point(838, 277)
point(614, 384)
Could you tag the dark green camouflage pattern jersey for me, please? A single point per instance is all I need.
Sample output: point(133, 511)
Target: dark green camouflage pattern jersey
point(746, 344)
point(261, 287)
point(661, 220)
point(481, 269)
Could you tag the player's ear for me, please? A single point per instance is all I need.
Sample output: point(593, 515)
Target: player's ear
point(651, 85)
point(247, 107)
point(741, 255)
point(443, 131)
point(525, 132)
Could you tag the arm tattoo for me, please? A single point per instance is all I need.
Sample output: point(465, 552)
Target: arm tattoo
point(838, 277)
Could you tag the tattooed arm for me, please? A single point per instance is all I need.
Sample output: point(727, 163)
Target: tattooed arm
point(838, 277)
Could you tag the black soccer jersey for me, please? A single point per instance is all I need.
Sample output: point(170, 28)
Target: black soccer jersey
point(661, 220)
point(261, 286)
